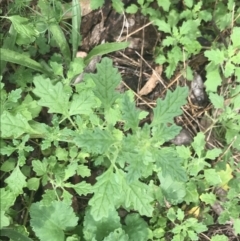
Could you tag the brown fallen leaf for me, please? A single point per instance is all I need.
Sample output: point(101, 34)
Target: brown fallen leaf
point(81, 54)
point(85, 9)
point(152, 82)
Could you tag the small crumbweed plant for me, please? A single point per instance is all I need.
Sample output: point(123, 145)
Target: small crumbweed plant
point(76, 161)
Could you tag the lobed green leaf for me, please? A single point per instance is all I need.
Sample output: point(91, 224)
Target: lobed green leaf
point(163, 26)
point(100, 230)
point(95, 4)
point(137, 197)
point(107, 193)
point(96, 140)
point(212, 177)
point(173, 191)
point(117, 234)
point(81, 188)
point(15, 125)
point(169, 108)
point(217, 100)
point(132, 9)
point(118, 6)
point(136, 227)
point(82, 104)
point(55, 97)
point(7, 199)
point(106, 80)
point(199, 143)
point(131, 115)
point(208, 198)
point(216, 56)
point(16, 181)
point(170, 164)
point(235, 36)
point(189, 3)
point(165, 4)
point(214, 78)
point(50, 222)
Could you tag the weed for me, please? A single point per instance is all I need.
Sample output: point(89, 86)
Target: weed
point(87, 169)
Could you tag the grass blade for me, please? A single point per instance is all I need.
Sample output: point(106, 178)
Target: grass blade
point(105, 49)
point(9, 42)
point(21, 59)
point(61, 41)
point(76, 23)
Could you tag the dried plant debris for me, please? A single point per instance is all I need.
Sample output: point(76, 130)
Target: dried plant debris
point(85, 9)
point(94, 36)
point(198, 94)
point(152, 82)
point(206, 126)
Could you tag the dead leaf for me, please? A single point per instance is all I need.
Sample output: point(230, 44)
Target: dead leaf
point(152, 82)
point(195, 211)
point(81, 54)
point(85, 9)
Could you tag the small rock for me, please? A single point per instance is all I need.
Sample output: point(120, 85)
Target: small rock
point(183, 138)
point(197, 89)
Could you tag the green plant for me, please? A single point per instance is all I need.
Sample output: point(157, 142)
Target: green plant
point(188, 228)
point(94, 111)
point(181, 29)
point(77, 162)
point(182, 26)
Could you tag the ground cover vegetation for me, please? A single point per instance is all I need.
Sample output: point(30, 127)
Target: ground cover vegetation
point(82, 160)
